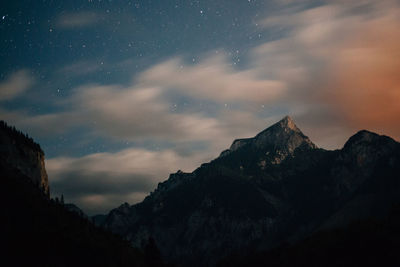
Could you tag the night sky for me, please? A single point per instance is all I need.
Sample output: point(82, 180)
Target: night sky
point(121, 93)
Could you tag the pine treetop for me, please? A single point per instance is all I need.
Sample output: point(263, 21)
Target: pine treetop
point(19, 136)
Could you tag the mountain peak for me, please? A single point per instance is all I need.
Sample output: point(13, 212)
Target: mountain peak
point(283, 136)
point(364, 137)
point(287, 119)
point(288, 122)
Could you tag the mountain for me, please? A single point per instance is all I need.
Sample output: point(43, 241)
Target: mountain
point(282, 139)
point(39, 231)
point(262, 192)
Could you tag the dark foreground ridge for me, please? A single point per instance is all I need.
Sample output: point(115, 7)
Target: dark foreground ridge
point(264, 192)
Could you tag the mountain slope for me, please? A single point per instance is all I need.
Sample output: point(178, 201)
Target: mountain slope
point(275, 187)
point(371, 242)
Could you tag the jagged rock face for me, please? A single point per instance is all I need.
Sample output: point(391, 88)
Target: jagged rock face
point(278, 141)
point(24, 156)
point(275, 187)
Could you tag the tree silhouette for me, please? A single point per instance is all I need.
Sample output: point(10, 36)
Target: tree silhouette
point(19, 137)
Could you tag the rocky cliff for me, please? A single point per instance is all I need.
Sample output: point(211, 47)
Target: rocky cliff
point(19, 152)
point(263, 191)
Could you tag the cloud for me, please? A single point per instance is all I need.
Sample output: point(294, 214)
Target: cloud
point(141, 114)
point(136, 113)
point(15, 85)
point(77, 20)
point(363, 79)
point(80, 68)
point(55, 123)
point(128, 175)
point(213, 79)
point(340, 62)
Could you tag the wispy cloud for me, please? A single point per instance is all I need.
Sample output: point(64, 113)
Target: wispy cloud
point(77, 20)
point(55, 123)
point(102, 181)
point(145, 112)
point(136, 113)
point(80, 68)
point(214, 79)
point(15, 85)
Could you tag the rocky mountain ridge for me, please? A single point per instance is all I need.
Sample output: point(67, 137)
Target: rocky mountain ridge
point(276, 187)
